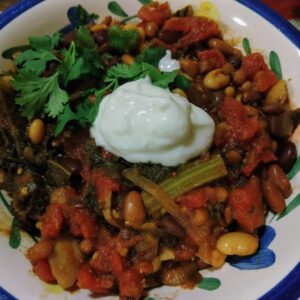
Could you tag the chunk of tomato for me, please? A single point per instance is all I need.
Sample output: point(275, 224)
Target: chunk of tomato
point(155, 12)
point(253, 63)
point(43, 271)
point(264, 80)
point(243, 128)
point(247, 205)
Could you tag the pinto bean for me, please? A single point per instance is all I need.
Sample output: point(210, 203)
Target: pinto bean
point(273, 196)
point(134, 210)
point(216, 79)
point(40, 250)
point(277, 175)
point(189, 67)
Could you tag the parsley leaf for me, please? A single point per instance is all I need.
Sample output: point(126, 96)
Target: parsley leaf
point(38, 95)
point(36, 58)
point(123, 41)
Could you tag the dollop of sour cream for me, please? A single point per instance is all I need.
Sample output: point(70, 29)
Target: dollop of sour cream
point(167, 64)
point(144, 123)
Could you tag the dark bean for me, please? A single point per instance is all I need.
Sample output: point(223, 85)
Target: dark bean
point(71, 164)
point(273, 109)
point(281, 126)
point(183, 273)
point(101, 36)
point(235, 60)
point(287, 155)
point(169, 37)
point(168, 224)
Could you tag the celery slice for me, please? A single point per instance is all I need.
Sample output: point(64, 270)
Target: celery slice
point(187, 179)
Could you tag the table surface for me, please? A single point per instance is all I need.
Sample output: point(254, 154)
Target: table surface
point(290, 9)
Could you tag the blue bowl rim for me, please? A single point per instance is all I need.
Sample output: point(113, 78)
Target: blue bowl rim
point(289, 287)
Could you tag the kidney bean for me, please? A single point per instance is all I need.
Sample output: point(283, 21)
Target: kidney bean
point(273, 196)
point(287, 155)
point(169, 37)
point(277, 175)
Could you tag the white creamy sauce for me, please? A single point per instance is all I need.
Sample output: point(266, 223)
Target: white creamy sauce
point(167, 64)
point(145, 123)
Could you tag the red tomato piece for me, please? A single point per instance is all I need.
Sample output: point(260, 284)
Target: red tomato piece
point(194, 199)
point(243, 128)
point(264, 80)
point(82, 223)
point(253, 63)
point(131, 284)
point(260, 151)
point(101, 262)
point(53, 221)
point(43, 271)
point(116, 262)
point(104, 185)
point(99, 284)
point(247, 205)
point(211, 59)
point(194, 29)
point(155, 12)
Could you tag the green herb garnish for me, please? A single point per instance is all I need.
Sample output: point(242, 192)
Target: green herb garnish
point(39, 95)
point(152, 55)
point(123, 41)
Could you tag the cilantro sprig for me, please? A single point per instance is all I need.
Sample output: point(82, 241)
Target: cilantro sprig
point(86, 112)
point(40, 95)
point(41, 51)
point(123, 41)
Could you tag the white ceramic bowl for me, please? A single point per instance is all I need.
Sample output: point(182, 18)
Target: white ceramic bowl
point(266, 32)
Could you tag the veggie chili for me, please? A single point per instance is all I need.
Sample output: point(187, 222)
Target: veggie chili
point(117, 227)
